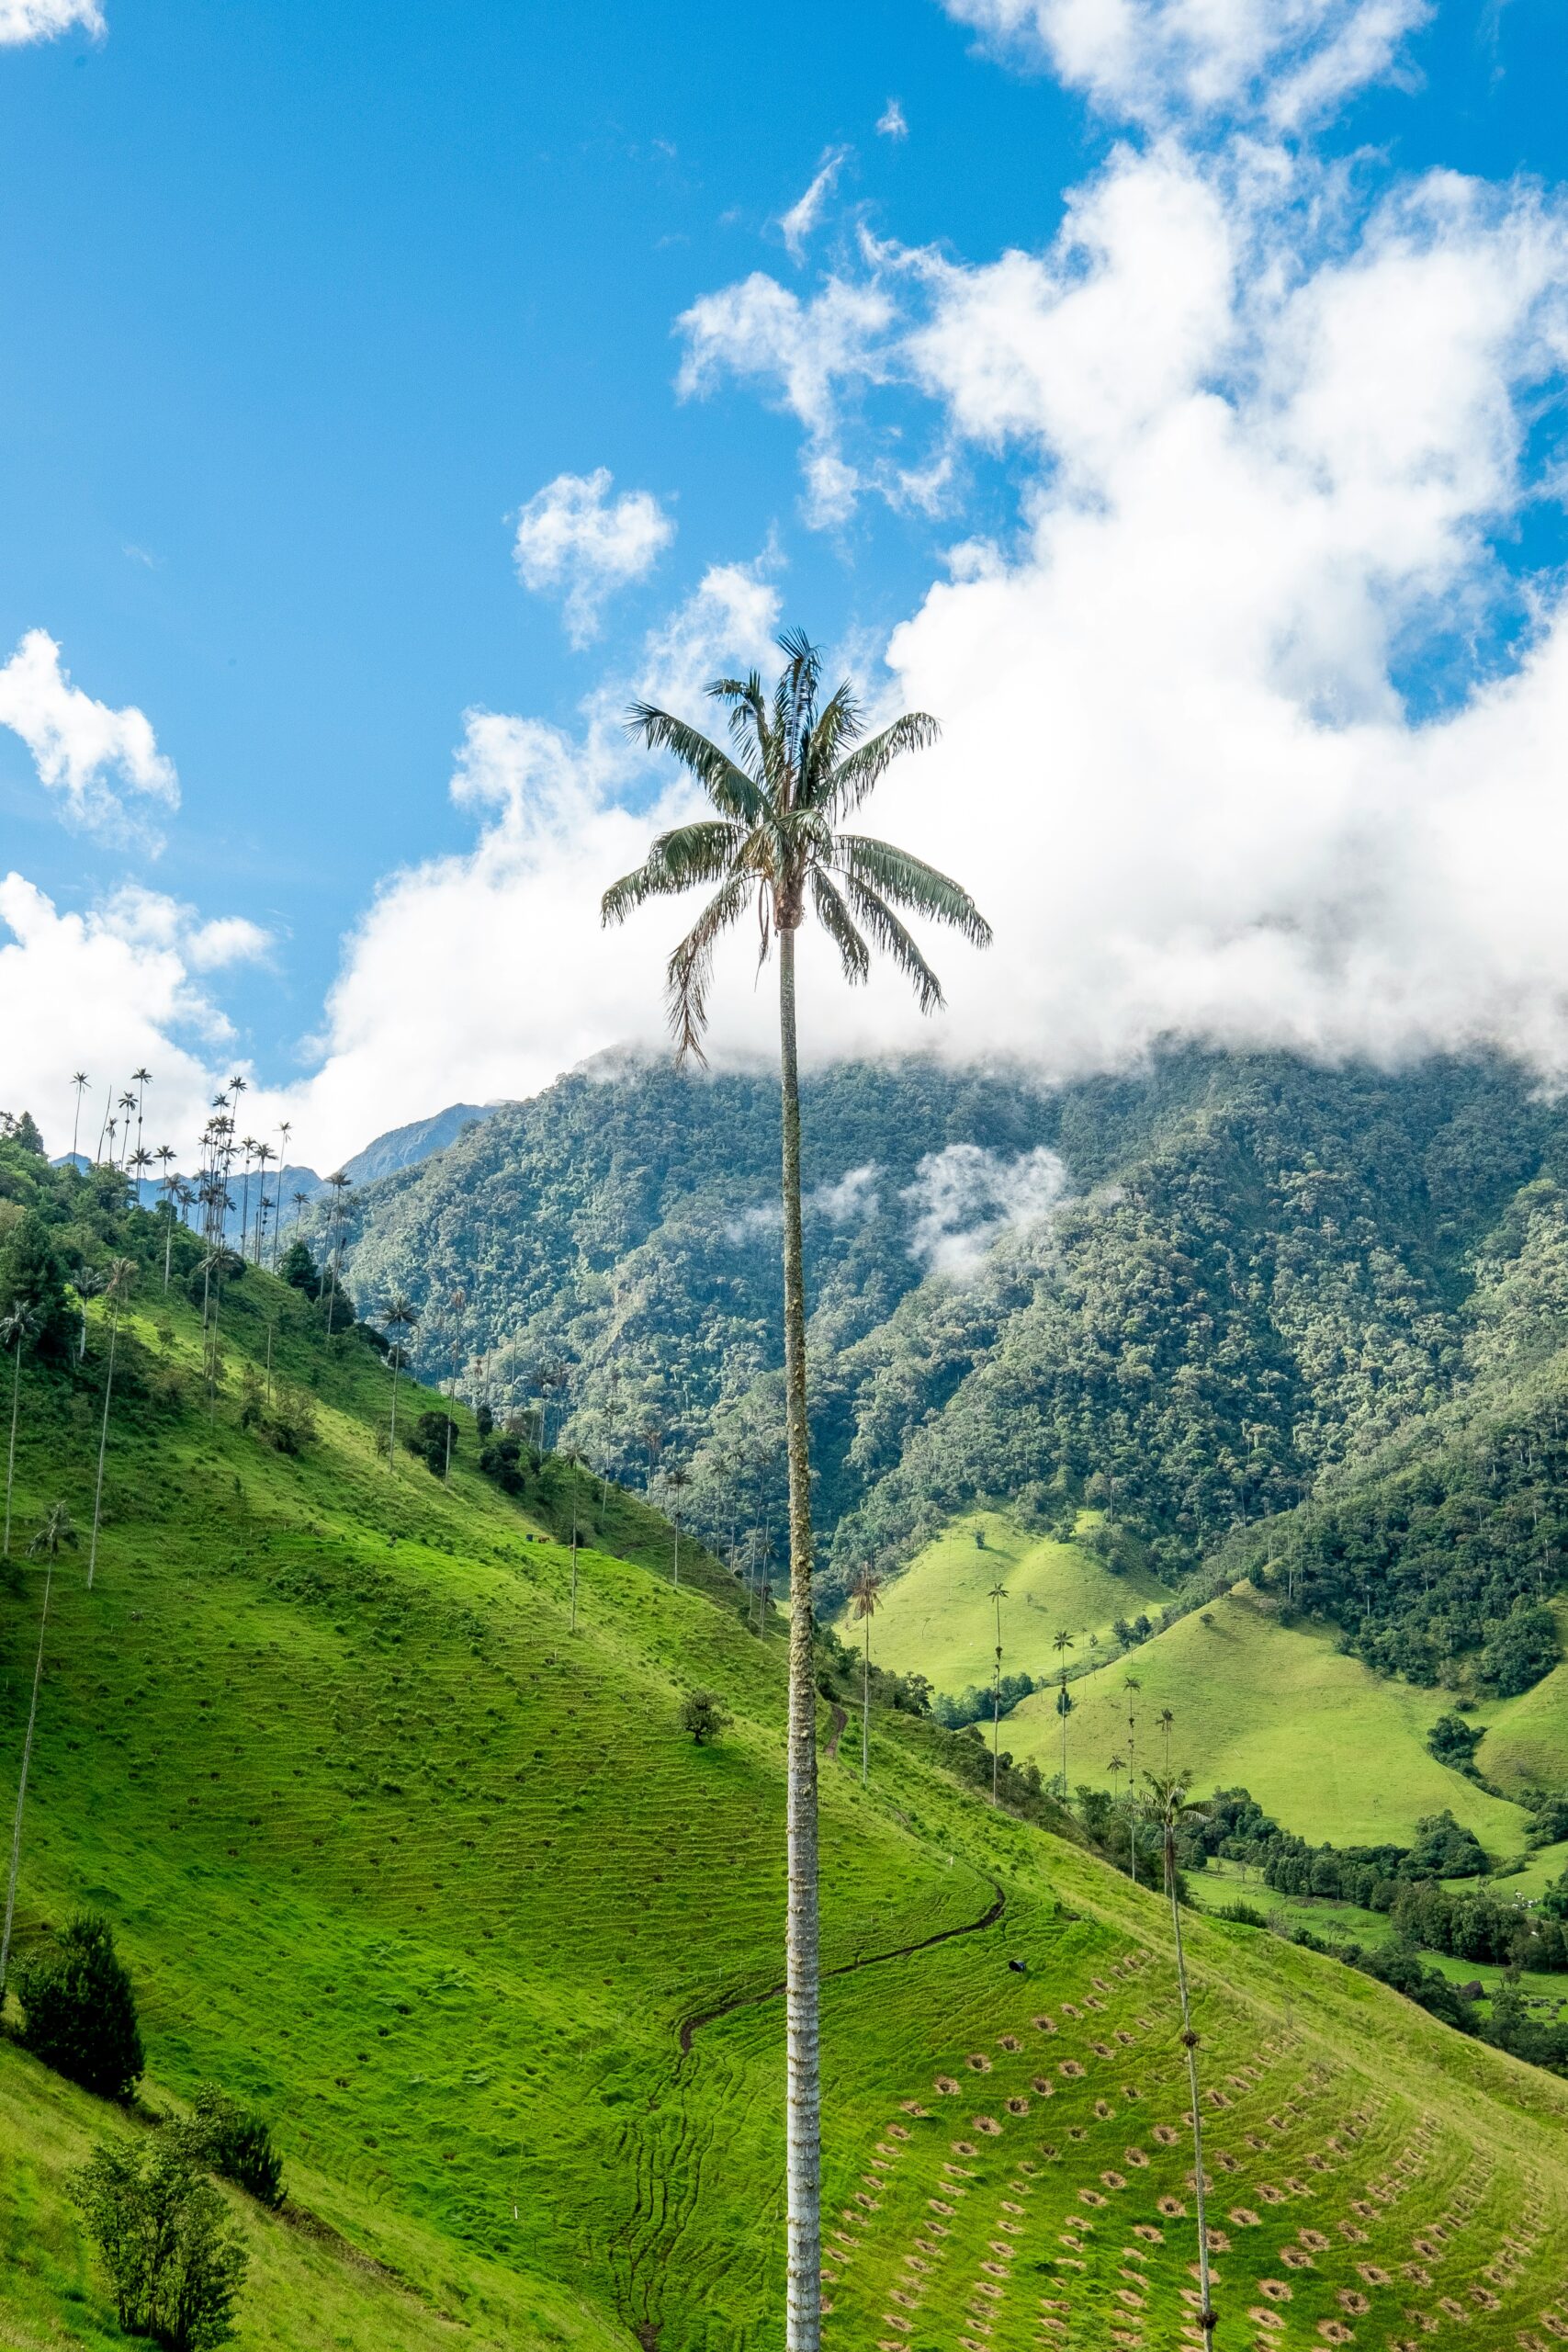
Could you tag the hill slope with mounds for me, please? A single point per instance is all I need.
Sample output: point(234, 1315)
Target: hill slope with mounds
point(441, 1885)
point(937, 1618)
point(1324, 1745)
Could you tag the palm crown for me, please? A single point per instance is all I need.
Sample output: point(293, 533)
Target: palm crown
point(796, 768)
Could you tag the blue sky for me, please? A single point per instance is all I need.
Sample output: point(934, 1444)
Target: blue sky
point(303, 304)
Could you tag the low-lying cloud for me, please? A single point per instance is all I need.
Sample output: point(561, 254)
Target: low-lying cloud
point(965, 1198)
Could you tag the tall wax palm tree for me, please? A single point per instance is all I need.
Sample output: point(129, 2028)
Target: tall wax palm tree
point(285, 1130)
point(55, 1533)
point(80, 1081)
point(116, 1290)
point(87, 1282)
point(20, 1325)
point(103, 1125)
point(142, 1079)
point(399, 1316)
point(1061, 1644)
point(164, 1156)
point(247, 1153)
point(996, 1595)
point(1166, 1722)
point(264, 1153)
point(865, 1589)
point(1170, 1804)
point(677, 1479)
point(128, 1103)
point(575, 1460)
point(341, 1181)
point(1132, 1686)
point(796, 769)
point(141, 1161)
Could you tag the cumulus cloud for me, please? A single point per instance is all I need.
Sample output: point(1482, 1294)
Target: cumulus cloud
point(805, 354)
point(803, 216)
point(890, 123)
point(965, 1198)
point(576, 542)
point(25, 20)
point(108, 992)
point(88, 754)
point(1286, 61)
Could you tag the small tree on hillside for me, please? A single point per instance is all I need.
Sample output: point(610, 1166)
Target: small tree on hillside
point(81, 2011)
point(703, 1716)
point(226, 2138)
point(168, 2241)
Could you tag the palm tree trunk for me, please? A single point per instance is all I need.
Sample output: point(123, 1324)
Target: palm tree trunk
point(392, 1440)
point(1190, 2040)
point(802, 2326)
point(11, 1456)
point(103, 1448)
point(866, 1710)
point(22, 1791)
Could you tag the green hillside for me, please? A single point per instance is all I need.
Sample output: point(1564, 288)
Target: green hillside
point(936, 1618)
point(1327, 1747)
point(1525, 1744)
point(442, 1887)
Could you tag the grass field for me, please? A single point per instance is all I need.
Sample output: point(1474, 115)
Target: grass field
point(442, 1886)
point(936, 1618)
point(1329, 1749)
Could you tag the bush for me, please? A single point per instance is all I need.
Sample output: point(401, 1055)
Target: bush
point(299, 1270)
point(80, 2009)
point(169, 2246)
point(1454, 1742)
point(433, 1438)
point(703, 1716)
point(228, 2138)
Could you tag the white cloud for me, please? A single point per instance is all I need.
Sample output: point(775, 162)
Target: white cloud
point(1288, 61)
point(107, 992)
point(848, 1201)
point(965, 1198)
point(84, 750)
point(890, 123)
point(25, 20)
point(803, 352)
point(577, 542)
point(801, 219)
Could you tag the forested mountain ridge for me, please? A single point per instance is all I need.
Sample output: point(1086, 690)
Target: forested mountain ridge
point(1184, 1294)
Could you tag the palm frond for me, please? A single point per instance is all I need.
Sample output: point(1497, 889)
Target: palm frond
point(878, 917)
point(690, 968)
point(834, 918)
point(843, 791)
point(731, 790)
point(833, 729)
point(704, 852)
point(748, 729)
point(911, 882)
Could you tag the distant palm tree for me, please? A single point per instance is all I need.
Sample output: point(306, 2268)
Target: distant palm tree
point(16, 1328)
point(103, 1125)
point(142, 1079)
point(796, 768)
point(1132, 1685)
point(80, 1081)
point(1167, 1721)
point(116, 1290)
point(1061, 1644)
point(285, 1130)
point(1116, 1767)
point(141, 1161)
point(341, 1183)
point(56, 1532)
point(998, 1594)
point(865, 1589)
point(128, 1103)
point(399, 1316)
point(264, 1153)
point(576, 1462)
point(1171, 1805)
point(677, 1479)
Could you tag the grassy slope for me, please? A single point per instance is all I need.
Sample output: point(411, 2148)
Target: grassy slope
point(1327, 1747)
point(1527, 1739)
point(935, 1618)
point(392, 1852)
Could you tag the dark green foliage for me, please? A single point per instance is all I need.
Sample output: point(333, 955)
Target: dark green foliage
point(1237, 1829)
point(1520, 1648)
point(299, 1268)
point(976, 1705)
point(503, 1459)
point(703, 1716)
point(31, 1271)
point(21, 1128)
point(79, 2011)
point(170, 2248)
point(228, 2138)
point(434, 1438)
point(1480, 1924)
point(1454, 1742)
point(1444, 1850)
point(484, 1421)
point(1398, 1965)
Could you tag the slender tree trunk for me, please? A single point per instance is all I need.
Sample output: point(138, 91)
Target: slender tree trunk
point(168, 1245)
point(802, 2326)
point(11, 1456)
point(1189, 2041)
point(677, 1527)
point(22, 1791)
point(574, 1551)
point(866, 1710)
point(103, 1448)
point(392, 1440)
point(1132, 1800)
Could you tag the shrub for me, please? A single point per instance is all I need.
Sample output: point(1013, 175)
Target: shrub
point(703, 1716)
point(431, 1437)
point(1454, 1742)
point(299, 1270)
point(168, 2244)
point(80, 2009)
point(228, 2138)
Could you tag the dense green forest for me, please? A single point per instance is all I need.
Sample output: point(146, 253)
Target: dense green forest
point(1251, 1308)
